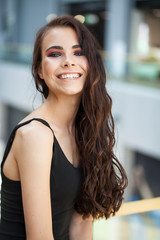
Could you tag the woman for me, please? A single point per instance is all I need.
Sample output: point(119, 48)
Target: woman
point(58, 170)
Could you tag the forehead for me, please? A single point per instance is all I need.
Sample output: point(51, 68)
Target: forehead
point(60, 36)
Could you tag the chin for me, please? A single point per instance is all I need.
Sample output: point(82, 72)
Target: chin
point(73, 92)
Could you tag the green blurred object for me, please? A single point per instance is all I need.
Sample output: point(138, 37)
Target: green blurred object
point(150, 71)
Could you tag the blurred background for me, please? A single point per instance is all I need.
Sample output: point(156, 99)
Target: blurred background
point(129, 34)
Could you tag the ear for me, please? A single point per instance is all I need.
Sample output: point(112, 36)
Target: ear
point(40, 72)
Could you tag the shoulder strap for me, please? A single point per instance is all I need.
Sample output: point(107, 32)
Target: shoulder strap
point(44, 122)
point(11, 138)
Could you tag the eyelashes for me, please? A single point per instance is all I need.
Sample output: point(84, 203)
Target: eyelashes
point(59, 54)
point(54, 54)
point(79, 53)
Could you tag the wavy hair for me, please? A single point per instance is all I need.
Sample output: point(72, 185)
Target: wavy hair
point(104, 178)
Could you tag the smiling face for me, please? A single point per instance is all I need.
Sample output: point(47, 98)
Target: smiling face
point(64, 68)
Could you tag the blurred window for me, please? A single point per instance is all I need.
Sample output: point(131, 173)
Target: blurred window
point(94, 14)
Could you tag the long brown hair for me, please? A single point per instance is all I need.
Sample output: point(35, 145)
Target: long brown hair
point(104, 178)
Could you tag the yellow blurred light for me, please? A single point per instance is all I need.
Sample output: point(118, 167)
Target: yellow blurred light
point(81, 18)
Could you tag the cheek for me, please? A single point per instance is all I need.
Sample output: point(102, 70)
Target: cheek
point(85, 65)
point(48, 67)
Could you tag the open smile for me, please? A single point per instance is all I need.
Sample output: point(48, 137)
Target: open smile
point(69, 76)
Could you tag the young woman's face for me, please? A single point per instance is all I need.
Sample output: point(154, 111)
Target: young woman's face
point(64, 67)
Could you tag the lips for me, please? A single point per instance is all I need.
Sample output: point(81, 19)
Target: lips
point(69, 75)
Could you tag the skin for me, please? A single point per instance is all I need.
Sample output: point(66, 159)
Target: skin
point(59, 110)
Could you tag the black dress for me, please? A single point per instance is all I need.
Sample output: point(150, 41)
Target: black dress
point(65, 183)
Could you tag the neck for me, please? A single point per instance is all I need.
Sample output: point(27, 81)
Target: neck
point(62, 111)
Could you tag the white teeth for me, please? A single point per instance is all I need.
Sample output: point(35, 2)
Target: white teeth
point(69, 76)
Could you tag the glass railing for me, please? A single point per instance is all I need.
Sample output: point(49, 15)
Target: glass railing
point(130, 68)
point(17, 53)
point(134, 69)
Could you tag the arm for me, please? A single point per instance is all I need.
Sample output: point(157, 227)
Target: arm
point(33, 153)
point(80, 229)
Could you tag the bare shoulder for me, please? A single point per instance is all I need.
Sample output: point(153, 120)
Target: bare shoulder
point(34, 131)
point(33, 141)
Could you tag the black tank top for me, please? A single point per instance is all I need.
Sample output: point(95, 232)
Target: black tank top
point(65, 183)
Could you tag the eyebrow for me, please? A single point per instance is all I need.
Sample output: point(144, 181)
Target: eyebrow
point(61, 48)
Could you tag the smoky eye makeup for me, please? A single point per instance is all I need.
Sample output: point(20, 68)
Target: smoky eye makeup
point(56, 51)
point(53, 53)
point(79, 52)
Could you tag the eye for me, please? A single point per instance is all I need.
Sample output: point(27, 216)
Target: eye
point(54, 54)
point(79, 53)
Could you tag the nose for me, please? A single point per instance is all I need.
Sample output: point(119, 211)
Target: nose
point(68, 62)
